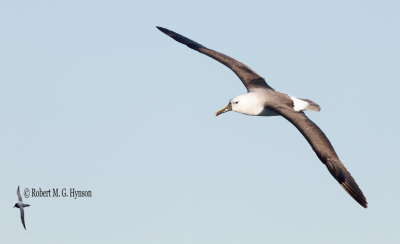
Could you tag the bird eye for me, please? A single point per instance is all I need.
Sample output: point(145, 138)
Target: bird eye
point(236, 102)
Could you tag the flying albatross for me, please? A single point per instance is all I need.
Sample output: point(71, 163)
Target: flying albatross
point(263, 100)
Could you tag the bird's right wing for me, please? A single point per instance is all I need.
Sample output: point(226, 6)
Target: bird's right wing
point(324, 150)
point(22, 216)
point(19, 195)
point(249, 78)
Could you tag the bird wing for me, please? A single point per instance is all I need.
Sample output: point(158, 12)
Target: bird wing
point(324, 150)
point(249, 78)
point(21, 209)
point(19, 195)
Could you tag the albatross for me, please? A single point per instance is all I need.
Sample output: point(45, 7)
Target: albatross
point(262, 100)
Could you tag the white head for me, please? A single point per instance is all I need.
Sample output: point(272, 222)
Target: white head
point(248, 103)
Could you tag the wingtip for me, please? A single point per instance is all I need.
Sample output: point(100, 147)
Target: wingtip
point(168, 32)
point(162, 29)
point(364, 204)
point(355, 192)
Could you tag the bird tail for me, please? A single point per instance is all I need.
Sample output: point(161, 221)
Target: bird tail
point(311, 105)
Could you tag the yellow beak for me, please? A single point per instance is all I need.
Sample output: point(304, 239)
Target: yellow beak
point(224, 110)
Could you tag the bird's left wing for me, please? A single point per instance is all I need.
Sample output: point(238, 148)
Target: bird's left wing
point(324, 150)
point(249, 78)
point(19, 195)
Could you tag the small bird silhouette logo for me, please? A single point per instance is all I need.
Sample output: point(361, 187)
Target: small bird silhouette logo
point(21, 207)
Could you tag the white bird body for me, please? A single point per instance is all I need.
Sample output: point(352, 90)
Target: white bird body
point(256, 102)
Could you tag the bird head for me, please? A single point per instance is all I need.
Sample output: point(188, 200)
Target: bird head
point(244, 104)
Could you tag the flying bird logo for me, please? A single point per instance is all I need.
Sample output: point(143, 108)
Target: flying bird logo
point(21, 207)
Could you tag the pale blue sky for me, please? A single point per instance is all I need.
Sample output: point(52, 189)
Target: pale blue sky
point(93, 96)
